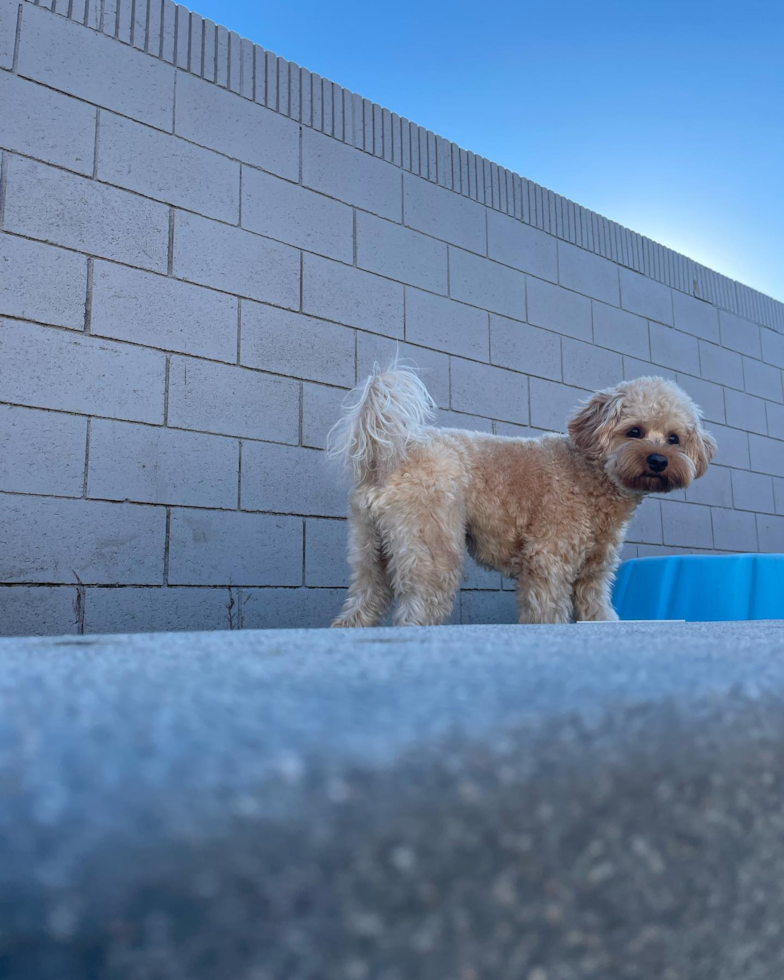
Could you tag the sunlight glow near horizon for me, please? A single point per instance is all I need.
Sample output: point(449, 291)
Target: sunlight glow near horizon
point(666, 119)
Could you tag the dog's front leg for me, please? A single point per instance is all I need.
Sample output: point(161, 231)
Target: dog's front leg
point(544, 593)
point(593, 589)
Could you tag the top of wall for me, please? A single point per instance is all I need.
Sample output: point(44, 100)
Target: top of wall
point(176, 35)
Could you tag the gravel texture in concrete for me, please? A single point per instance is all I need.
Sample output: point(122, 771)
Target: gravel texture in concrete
point(457, 803)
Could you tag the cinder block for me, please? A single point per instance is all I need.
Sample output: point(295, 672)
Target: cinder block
point(321, 409)
point(48, 368)
point(632, 368)
point(148, 35)
point(674, 349)
point(157, 311)
point(778, 491)
point(432, 366)
point(44, 539)
point(167, 168)
point(646, 524)
point(552, 405)
point(745, 411)
point(620, 331)
point(59, 207)
point(773, 347)
point(559, 309)
point(695, 316)
point(443, 214)
point(38, 610)
point(586, 366)
point(734, 530)
point(476, 577)
point(686, 525)
point(708, 396)
point(93, 67)
point(45, 124)
point(434, 321)
point(752, 491)
point(446, 419)
point(733, 446)
point(767, 455)
point(659, 551)
point(235, 261)
point(290, 480)
point(510, 430)
point(290, 343)
point(486, 284)
point(215, 547)
point(290, 608)
point(210, 116)
point(775, 420)
point(520, 245)
point(481, 389)
point(359, 299)
point(326, 550)
point(739, 334)
point(524, 348)
point(488, 607)
point(714, 488)
point(38, 282)
point(41, 452)
point(160, 610)
point(350, 175)
point(154, 465)
point(628, 551)
point(232, 401)
point(645, 296)
point(276, 208)
point(9, 11)
point(399, 253)
point(770, 532)
point(722, 366)
point(763, 380)
point(587, 273)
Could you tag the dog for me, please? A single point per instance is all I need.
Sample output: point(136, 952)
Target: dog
point(550, 512)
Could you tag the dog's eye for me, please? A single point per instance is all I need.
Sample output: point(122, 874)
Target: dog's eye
point(673, 440)
point(634, 433)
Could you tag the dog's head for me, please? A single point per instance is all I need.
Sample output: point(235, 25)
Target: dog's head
point(646, 434)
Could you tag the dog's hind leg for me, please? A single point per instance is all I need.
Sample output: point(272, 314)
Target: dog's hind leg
point(425, 541)
point(369, 595)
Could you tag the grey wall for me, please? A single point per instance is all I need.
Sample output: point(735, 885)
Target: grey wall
point(203, 246)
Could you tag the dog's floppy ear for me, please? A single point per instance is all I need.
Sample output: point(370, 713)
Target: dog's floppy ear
point(592, 427)
point(701, 448)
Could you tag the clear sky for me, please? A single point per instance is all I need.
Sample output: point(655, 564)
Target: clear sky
point(666, 116)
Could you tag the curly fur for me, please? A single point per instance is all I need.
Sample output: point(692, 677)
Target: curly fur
point(383, 417)
point(550, 513)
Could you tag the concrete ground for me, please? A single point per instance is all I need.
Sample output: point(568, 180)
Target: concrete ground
point(459, 803)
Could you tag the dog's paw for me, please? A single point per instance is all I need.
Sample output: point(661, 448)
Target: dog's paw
point(349, 622)
point(606, 614)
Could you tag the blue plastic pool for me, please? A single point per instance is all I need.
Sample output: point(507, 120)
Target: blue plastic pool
point(701, 588)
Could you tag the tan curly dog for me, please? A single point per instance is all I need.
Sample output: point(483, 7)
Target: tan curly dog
point(550, 512)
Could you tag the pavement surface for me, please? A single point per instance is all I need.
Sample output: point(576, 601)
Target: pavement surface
point(457, 803)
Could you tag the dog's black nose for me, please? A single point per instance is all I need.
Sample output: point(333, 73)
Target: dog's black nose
point(657, 462)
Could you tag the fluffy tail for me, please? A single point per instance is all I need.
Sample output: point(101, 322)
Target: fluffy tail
point(382, 417)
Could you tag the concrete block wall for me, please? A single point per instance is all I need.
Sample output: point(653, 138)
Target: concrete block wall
point(203, 247)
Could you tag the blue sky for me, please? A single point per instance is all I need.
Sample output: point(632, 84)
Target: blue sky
point(667, 117)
